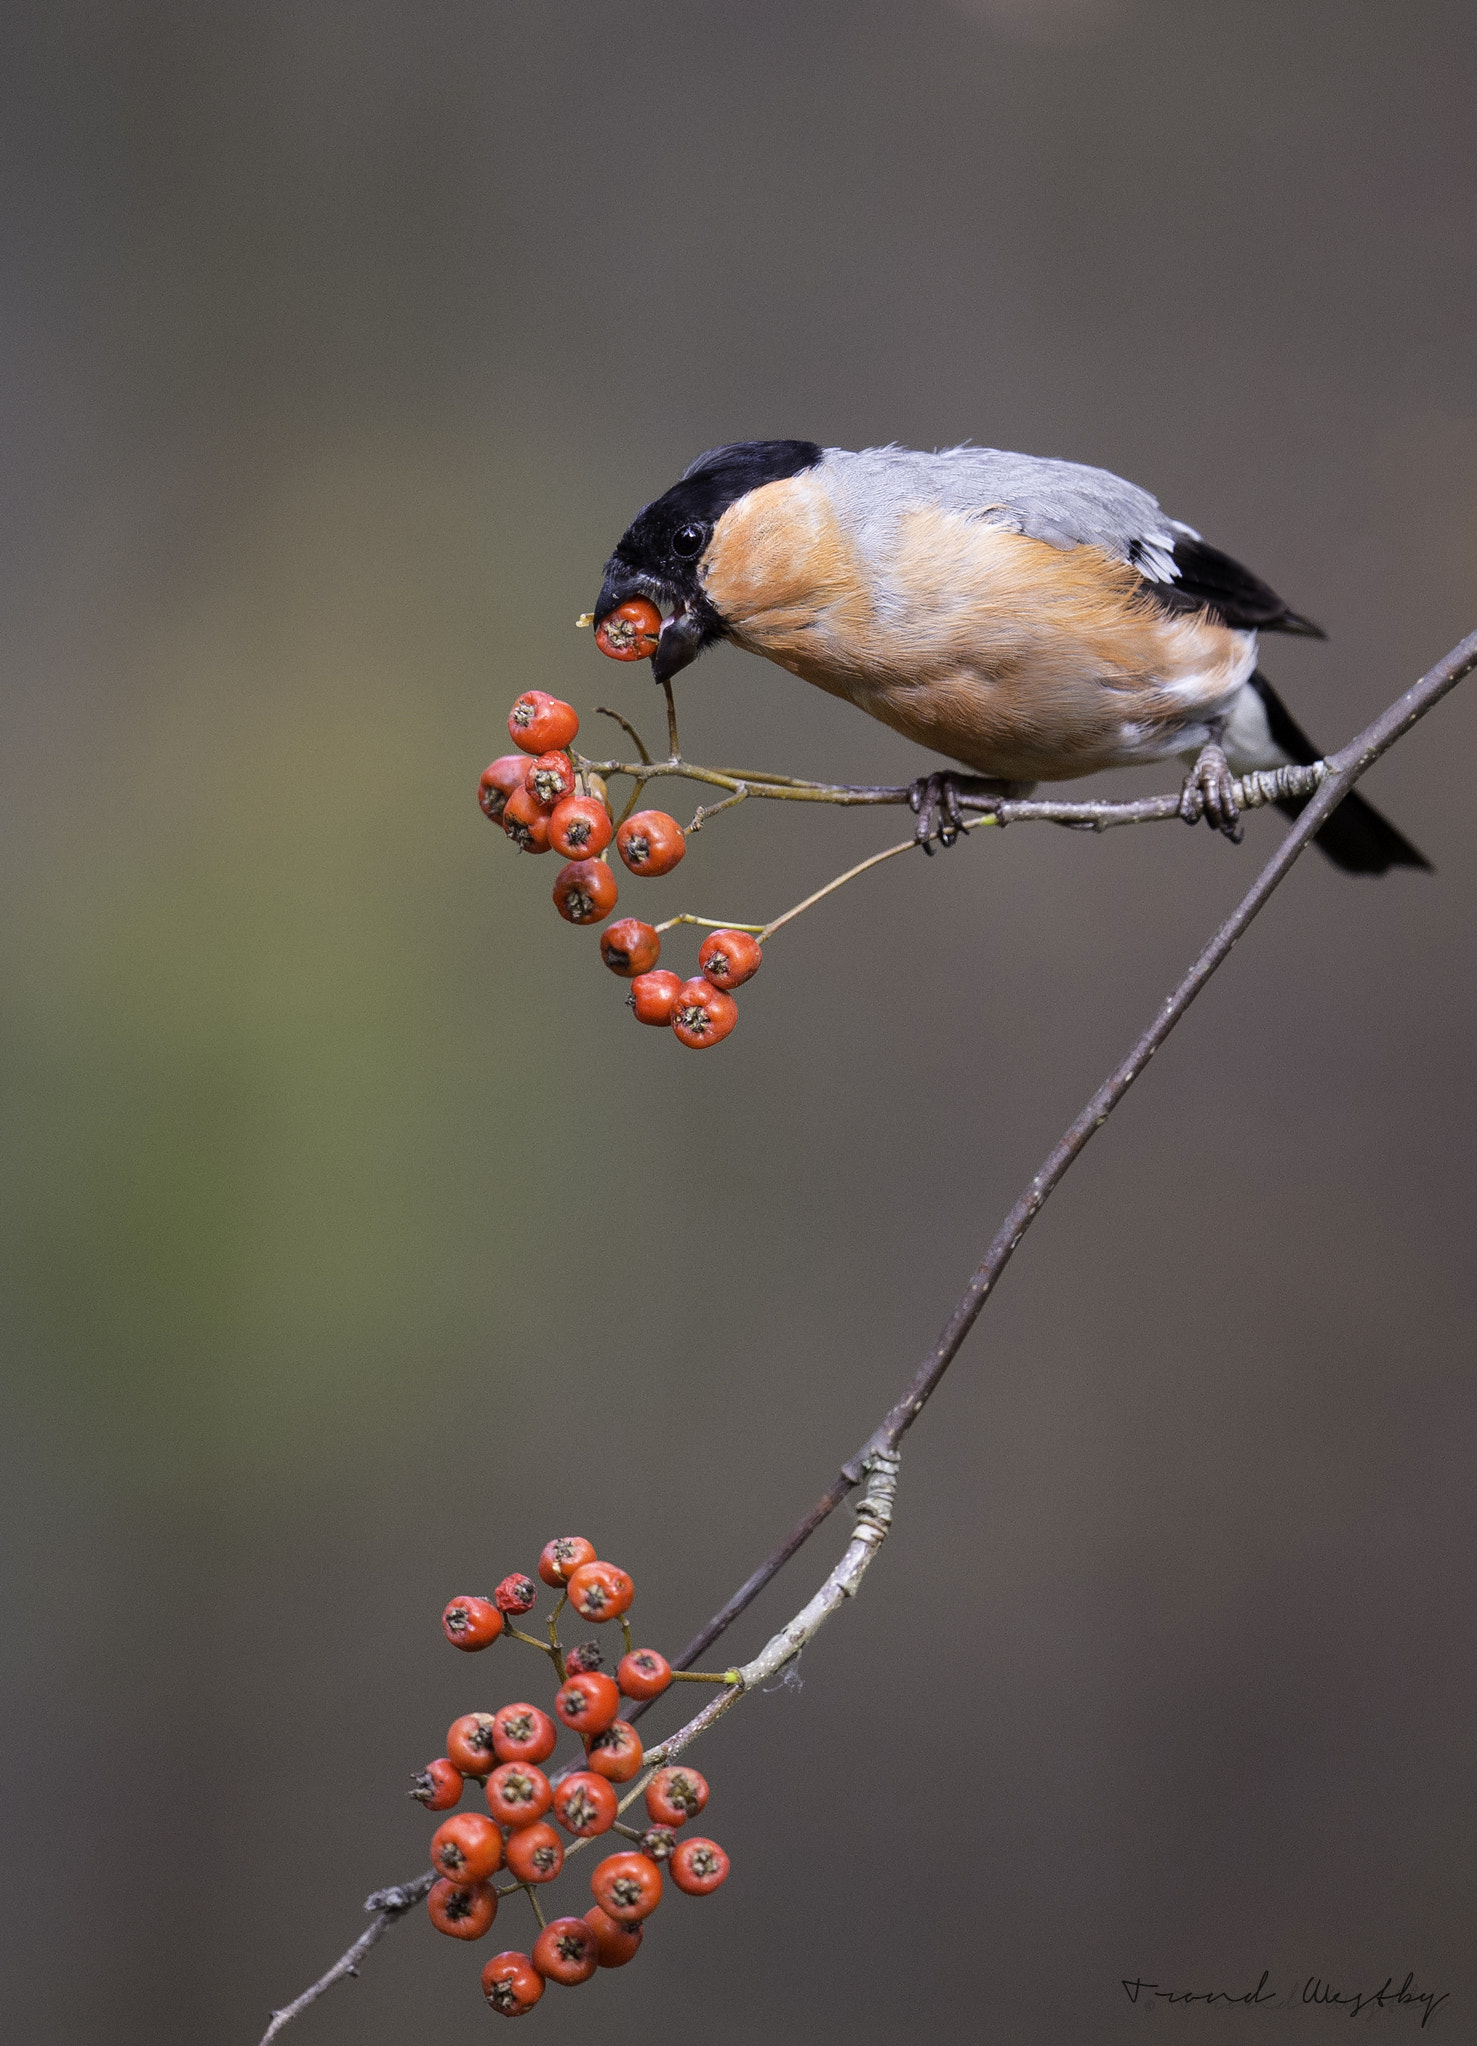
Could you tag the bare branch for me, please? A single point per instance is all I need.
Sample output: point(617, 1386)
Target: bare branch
point(706, 810)
point(389, 1906)
point(1251, 791)
point(875, 1464)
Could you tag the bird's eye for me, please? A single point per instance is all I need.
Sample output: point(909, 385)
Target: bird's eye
point(689, 540)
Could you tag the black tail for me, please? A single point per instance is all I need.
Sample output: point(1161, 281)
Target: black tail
point(1356, 837)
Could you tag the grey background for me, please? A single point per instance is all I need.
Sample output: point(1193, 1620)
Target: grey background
point(356, 1241)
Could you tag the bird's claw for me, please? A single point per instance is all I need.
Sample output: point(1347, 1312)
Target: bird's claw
point(1210, 792)
point(935, 800)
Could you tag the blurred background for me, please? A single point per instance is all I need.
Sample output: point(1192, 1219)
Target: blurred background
point(356, 1240)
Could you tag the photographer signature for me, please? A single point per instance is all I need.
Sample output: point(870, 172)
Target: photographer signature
point(1314, 1990)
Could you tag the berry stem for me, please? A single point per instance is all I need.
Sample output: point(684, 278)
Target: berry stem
point(905, 845)
point(635, 797)
point(531, 1894)
point(554, 1649)
point(543, 1647)
point(626, 1631)
point(702, 1676)
point(709, 923)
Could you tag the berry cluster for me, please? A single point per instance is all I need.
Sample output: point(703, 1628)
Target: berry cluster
point(503, 1751)
point(545, 802)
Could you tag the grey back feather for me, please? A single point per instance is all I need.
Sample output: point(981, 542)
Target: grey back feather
point(1066, 504)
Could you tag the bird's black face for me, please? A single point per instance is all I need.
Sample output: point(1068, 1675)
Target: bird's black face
point(661, 552)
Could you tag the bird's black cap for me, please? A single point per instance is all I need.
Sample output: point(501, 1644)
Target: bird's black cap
point(659, 554)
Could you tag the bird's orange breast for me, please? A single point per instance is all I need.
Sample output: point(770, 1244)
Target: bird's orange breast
point(1015, 657)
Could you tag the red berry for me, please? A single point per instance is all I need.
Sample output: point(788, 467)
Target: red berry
point(516, 1594)
point(438, 1787)
point(630, 631)
point(498, 782)
point(627, 1886)
point(518, 1793)
point(651, 842)
point(675, 1795)
point(466, 1848)
point(465, 1910)
point(563, 1554)
point(549, 779)
point(580, 827)
point(585, 892)
point(618, 1943)
point(521, 1733)
point(702, 1014)
point(729, 958)
point(586, 1656)
point(630, 947)
point(699, 1866)
point(538, 722)
point(512, 1984)
point(588, 1702)
point(643, 1673)
point(599, 1591)
point(469, 1743)
point(535, 1854)
point(471, 1623)
point(567, 1950)
point(660, 1842)
point(616, 1753)
point(525, 823)
point(653, 996)
point(585, 1804)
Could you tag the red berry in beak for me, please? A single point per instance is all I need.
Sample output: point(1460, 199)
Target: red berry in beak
point(631, 631)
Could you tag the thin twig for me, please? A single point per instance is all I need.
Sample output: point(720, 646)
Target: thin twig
point(862, 866)
point(706, 810)
point(389, 1906)
point(875, 1464)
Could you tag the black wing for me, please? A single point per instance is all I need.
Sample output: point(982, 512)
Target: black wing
point(1211, 581)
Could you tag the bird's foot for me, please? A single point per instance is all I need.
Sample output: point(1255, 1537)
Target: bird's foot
point(1209, 792)
point(935, 798)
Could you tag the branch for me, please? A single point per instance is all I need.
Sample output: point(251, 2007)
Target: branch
point(1251, 791)
point(875, 1464)
point(389, 1907)
point(874, 1519)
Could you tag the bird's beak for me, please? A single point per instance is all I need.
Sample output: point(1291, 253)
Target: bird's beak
point(682, 635)
point(682, 640)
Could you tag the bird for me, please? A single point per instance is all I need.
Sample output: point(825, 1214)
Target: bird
point(1030, 619)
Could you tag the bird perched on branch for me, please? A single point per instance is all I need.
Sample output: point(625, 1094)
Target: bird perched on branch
point(1033, 620)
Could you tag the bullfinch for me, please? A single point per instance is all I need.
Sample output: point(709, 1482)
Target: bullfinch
point(1033, 620)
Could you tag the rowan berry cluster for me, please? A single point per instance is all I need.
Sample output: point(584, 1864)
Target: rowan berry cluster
point(504, 1751)
point(546, 802)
